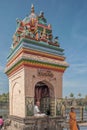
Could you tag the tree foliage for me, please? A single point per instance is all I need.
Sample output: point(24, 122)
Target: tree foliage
point(79, 95)
point(71, 95)
point(4, 97)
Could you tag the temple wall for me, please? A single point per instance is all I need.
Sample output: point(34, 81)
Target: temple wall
point(58, 89)
point(32, 77)
point(17, 94)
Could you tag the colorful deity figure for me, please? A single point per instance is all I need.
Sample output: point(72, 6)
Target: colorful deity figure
point(32, 21)
point(19, 23)
point(37, 35)
point(56, 41)
point(49, 26)
point(42, 19)
point(43, 35)
point(50, 37)
point(15, 40)
point(20, 26)
point(11, 48)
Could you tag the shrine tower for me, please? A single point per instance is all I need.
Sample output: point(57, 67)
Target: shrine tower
point(35, 67)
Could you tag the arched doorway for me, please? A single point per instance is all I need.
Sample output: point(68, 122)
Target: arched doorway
point(43, 93)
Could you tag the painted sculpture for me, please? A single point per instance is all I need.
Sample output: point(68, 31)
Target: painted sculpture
point(35, 28)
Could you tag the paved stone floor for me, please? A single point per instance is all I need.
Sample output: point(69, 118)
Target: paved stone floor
point(81, 128)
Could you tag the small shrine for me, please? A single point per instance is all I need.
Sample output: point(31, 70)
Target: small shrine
point(35, 68)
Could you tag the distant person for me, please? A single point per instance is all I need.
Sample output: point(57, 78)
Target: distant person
point(1, 122)
point(37, 110)
point(72, 120)
point(48, 112)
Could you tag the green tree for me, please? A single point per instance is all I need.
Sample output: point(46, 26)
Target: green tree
point(4, 97)
point(79, 95)
point(71, 95)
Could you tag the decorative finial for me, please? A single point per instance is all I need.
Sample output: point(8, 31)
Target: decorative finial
point(32, 8)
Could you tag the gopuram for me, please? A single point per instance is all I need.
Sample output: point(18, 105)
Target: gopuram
point(35, 68)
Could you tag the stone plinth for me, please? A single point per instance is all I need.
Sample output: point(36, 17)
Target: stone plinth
point(34, 123)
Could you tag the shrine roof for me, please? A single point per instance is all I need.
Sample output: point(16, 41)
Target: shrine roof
point(34, 45)
point(34, 33)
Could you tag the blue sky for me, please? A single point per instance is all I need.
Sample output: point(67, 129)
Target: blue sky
point(69, 21)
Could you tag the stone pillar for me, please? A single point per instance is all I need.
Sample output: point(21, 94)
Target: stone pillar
point(29, 102)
